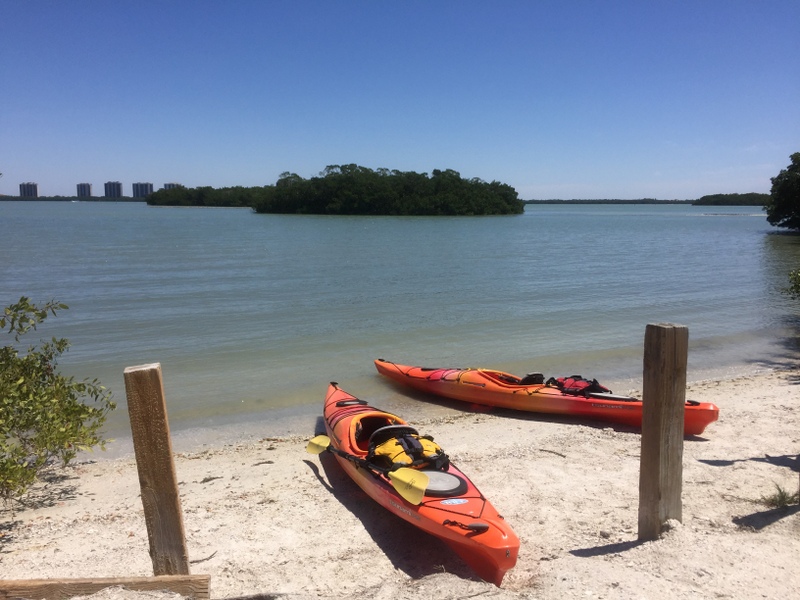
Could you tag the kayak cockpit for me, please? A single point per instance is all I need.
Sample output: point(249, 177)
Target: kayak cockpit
point(363, 428)
point(509, 379)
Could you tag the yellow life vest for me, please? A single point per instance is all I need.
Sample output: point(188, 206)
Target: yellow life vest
point(410, 450)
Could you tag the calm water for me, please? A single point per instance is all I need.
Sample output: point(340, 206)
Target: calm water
point(251, 315)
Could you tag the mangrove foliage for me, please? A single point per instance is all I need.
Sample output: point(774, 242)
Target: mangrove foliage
point(355, 190)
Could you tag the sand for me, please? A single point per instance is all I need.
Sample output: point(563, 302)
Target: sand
point(266, 518)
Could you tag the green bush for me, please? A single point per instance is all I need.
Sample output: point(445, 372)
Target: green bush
point(45, 417)
point(794, 284)
point(783, 203)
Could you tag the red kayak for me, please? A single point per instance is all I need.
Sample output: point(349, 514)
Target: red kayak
point(572, 396)
point(411, 477)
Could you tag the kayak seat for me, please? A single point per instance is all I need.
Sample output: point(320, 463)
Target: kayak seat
point(354, 402)
point(367, 426)
point(504, 378)
point(532, 379)
point(390, 431)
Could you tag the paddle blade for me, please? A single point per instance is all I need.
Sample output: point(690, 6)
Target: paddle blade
point(318, 445)
point(410, 484)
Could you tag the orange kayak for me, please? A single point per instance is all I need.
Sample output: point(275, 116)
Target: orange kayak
point(451, 508)
point(568, 396)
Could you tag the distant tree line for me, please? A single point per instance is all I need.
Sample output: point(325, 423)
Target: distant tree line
point(355, 190)
point(230, 197)
point(249, 197)
point(751, 199)
point(352, 189)
point(609, 201)
point(69, 199)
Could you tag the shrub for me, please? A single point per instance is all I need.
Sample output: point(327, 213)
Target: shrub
point(781, 498)
point(45, 417)
point(794, 284)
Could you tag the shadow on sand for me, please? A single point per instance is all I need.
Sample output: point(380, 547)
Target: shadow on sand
point(785, 460)
point(54, 485)
point(759, 520)
point(409, 549)
point(614, 548)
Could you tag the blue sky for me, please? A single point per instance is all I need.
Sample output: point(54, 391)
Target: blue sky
point(560, 99)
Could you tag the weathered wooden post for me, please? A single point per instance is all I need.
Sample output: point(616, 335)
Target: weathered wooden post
point(195, 587)
point(162, 507)
point(666, 350)
point(147, 409)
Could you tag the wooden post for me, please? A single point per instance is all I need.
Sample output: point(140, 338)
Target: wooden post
point(151, 443)
point(666, 350)
point(188, 586)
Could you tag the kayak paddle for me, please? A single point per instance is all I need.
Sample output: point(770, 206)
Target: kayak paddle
point(409, 483)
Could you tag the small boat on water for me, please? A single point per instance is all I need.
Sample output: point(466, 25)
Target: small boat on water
point(573, 396)
point(412, 477)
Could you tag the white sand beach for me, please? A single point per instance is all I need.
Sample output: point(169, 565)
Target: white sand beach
point(267, 518)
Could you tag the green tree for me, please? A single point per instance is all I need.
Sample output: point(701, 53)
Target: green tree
point(783, 204)
point(44, 416)
point(354, 190)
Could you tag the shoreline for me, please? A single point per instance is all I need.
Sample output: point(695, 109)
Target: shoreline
point(264, 517)
point(200, 433)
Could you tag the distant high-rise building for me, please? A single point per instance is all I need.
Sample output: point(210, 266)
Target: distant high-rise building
point(113, 189)
point(169, 186)
point(141, 190)
point(29, 190)
point(84, 190)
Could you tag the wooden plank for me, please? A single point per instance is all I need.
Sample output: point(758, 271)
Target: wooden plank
point(666, 349)
point(147, 409)
point(188, 586)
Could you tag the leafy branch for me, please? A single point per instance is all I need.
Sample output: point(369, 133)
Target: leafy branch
point(44, 416)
